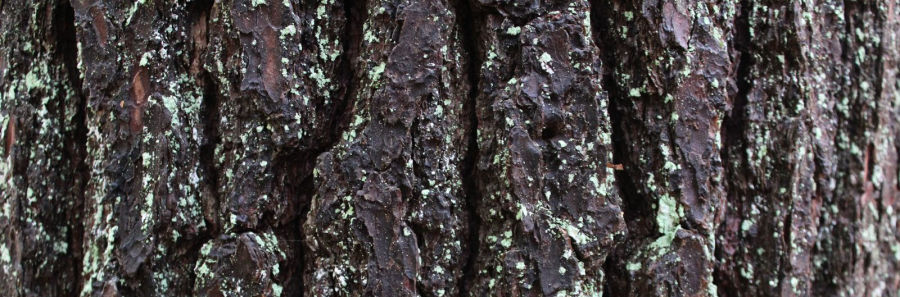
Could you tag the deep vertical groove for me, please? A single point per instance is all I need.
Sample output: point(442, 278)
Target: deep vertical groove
point(210, 115)
point(734, 127)
point(356, 14)
point(300, 164)
point(200, 11)
point(631, 203)
point(76, 138)
point(733, 123)
point(634, 208)
point(210, 118)
point(467, 24)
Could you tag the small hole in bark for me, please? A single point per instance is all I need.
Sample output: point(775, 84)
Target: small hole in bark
point(551, 130)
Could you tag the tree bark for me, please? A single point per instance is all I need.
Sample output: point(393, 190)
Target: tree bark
point(449, 148)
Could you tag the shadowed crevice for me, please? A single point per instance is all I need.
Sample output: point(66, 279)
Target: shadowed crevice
point(355, 13)
point(296, 167)
point(635, 208)
point(63, 25)
point(733, 125)
point(468, 20)
point(732, 134)
point(616, 281)
point(210, 116)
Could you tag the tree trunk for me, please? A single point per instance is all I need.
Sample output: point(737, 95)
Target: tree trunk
point(449, 148)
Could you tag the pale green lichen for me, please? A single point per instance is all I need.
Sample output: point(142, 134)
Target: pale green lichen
point(289, 30)
point(633, 266)
point(132, 10)
point(668, 215)
point(546, 58)
point(747, 271)
point(36, 78)
point(576, 234)
point(634, 92)
point(376, 72)
point(320, 78)
point(438, 111)
point(369, 37)
point(669, 165)
point(522, 211)
point(145, 59)
point(4, 254)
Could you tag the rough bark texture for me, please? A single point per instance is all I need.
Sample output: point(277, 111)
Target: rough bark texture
point(449, 148)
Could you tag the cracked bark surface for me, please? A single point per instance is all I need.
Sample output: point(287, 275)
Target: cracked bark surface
point(449, 148)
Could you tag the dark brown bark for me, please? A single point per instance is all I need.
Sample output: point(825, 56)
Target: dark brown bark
point(449, 148)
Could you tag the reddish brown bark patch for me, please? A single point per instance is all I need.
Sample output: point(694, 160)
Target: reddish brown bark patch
point(140, 84)
point(100, 25)
point(10, 135)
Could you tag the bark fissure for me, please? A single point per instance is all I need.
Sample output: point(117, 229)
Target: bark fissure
point(209, 106)
point(210, 118)
point(635, 209)
point(356, 13)
point(64, 27)
point(733, 123)
point(467, 20)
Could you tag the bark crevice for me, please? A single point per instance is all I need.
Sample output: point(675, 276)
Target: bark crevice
point(466, 18)
point(735, 119)
point(733, 131)
point(356, 14)
point(210, 116)
point(302, 163)
point(76, 138)
point(635, 209)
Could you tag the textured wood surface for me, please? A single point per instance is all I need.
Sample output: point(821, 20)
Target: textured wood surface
point(449, 148)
